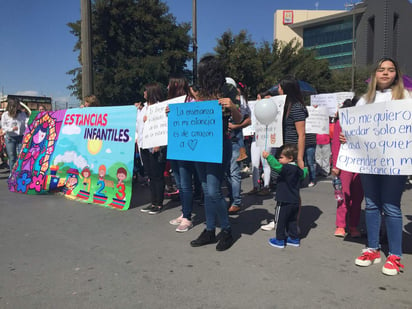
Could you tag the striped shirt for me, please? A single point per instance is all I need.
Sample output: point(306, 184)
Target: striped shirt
point(298, 112)
point(310, 139)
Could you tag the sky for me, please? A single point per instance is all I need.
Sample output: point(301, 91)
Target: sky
point(36, 46)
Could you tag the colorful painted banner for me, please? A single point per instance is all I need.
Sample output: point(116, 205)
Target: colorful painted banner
point(84, 153)
point(195, 132)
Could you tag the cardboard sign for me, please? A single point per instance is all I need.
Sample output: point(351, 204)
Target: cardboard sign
point(195, 132)
point(379, 138)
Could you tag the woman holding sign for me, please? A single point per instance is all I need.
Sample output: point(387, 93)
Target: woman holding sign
point(383, 192)
point(154, 159)
point(211, 81)
point(183, 171)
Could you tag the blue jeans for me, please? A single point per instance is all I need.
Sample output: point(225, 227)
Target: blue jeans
point(383, 193)
point(184, 180)
point(310, 161)
point(175, 168)
point(13, 147)
point(234, 177)
point(211, 176)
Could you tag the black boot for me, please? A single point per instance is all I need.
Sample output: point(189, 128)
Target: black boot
point(207, 237)
point(225, 241)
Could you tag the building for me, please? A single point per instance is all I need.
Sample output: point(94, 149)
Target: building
point(360, 36)
point(30, 101)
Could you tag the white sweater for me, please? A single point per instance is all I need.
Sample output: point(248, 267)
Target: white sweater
point(7, 124)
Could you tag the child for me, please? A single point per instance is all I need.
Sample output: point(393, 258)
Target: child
point(287, 195)
point(349, 208)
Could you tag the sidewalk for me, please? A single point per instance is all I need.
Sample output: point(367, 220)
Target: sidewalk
point(56, 253)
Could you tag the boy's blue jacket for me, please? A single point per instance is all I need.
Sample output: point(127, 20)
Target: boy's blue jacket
point(289, 180)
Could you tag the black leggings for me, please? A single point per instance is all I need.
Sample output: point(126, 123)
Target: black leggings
point(154, 166)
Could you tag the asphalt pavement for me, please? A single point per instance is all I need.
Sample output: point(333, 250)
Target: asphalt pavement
point(58, 253)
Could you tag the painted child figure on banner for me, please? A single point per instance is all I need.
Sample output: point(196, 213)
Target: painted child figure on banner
point(87, 181)
point(121, 176)
point(85, 176)
point(71, 182)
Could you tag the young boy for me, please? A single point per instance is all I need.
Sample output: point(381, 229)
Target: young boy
point(287, 195)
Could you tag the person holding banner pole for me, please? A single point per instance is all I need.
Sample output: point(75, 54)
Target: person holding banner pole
point(183, 171)
point(383, 193)
point(154, 159)
point(211, 80)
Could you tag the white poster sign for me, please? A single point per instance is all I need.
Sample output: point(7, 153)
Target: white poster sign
point(250, 130)
point(155, 127)
point(379, 138)
point(318, 120)
point(331, 101)
point(271, 135)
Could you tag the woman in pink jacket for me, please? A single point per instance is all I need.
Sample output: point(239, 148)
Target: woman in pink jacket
point(349, 209)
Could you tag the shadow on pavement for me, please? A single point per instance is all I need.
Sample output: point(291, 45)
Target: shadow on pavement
point(407, 236)
point(309, 214)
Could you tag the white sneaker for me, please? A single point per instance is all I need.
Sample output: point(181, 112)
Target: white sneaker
point(268, 227)
point(176, 221)
point(184, 226)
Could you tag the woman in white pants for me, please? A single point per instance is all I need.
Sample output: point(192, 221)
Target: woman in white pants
point(256, 154)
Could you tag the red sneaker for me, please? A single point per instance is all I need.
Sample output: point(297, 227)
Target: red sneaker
point(392, 266)
point(368, 257)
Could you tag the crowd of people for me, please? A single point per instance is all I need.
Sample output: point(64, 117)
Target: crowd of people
point(302, 155)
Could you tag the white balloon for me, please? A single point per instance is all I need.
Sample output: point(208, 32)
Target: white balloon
point(266, 111)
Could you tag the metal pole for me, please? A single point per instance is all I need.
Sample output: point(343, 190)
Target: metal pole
point(353, 50)
point(194, 37)
point(86, 47)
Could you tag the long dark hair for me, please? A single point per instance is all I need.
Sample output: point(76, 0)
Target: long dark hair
point(12, 107)
point(211, 77)
point(154, 93)
point(291, 88)
point(178, 86)
point(348, 103)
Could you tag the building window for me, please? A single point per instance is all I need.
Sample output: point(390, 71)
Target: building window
point(332, 41)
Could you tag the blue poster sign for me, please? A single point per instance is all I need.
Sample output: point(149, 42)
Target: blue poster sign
point(195, 132)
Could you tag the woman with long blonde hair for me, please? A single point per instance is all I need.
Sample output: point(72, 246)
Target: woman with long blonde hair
point(383, 193)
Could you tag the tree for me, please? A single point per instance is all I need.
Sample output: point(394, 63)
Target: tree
point(262, 67)
point(239, 56)
point(134, 42)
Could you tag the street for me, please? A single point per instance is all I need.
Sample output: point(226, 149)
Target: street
point(58, 253)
